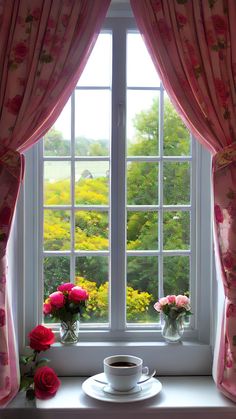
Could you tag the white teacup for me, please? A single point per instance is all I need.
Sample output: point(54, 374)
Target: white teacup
point(123, 371)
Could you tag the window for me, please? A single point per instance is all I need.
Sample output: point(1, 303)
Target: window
point(114, 199)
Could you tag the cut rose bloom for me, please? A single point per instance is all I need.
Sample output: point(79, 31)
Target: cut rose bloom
point(65, 287)
point(171, 299)
point(46, 383)
point(47, 308)
point(57, 299)
point(78, 294)
point(182, 301)
point(41, 338)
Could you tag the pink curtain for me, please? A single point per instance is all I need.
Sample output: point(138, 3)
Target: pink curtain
point(192, 44)
point(44, 48)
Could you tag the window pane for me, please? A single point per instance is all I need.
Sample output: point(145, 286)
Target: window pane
point(57, 183)
point(100, 59)
point(92, 183)
point(140, 68)
point(142, 183)
point(91, 230)
point(142, 289)
point(176, 183)
point(176, 271)
point(142, 230)
point(56, 230)
point(92, 274)
point(176, 230)
point(176, 136)
point(142, 123)
point(57, 139)
point(92, 122)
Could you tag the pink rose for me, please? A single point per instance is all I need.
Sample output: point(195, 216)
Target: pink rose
point(171, 299)
point(2, 317)
point(157, 306)
point(36, 13)
point(57, 299)
point(78, 294)
point(228, 260)
point(65, 20)
point(219, 24)
point(163, 301)
point(231, 310)
point(182, 20)
point(164, 29)
point(66, 287)
point(20, 52)
point(222, 91)
point(182, 301)
point(47, 308)
point(13, 105)
point(218, 214)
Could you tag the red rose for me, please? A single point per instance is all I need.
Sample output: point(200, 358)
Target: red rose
point(67, 286)
point(41, 338)
point(46, 383)
point(20, 52)
point(219, 24)
point(218, 214)
point(78, 294)
point(13, 105)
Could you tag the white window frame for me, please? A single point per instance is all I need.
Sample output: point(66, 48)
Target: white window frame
point(194, 355)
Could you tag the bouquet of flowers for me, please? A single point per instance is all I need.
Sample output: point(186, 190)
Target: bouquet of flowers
point(174, 306)
point(66, 303)
point(37, 379)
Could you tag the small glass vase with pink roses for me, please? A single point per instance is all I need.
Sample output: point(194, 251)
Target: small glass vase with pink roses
point(174, 310)
point(66, 305)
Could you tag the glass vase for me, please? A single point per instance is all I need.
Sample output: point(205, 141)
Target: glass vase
point(173, 329)
point(69, 332)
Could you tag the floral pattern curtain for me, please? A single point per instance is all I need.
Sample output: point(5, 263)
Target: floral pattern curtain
point(192, 44)
point(44, 48)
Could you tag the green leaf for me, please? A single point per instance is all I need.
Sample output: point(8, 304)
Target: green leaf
point(29, 18)
point(234, 340)
point(42, 362)
point(23, 360)
point(26, 382)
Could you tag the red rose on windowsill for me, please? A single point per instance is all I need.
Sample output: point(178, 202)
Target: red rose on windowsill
point(46, 383)
point(41, 338)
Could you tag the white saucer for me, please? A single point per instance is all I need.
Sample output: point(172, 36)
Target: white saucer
point(108, 389)
point(96, 390)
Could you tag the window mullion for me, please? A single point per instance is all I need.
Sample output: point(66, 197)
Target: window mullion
point(118, 167)
point(72, 214)
point(160, 215)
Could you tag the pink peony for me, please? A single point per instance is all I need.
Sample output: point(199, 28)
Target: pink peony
point(182, 301)
point(78, 294)
point(57, 299)
point(171, 299)
point(163, 301)
point(47, 308)
point(66, 287)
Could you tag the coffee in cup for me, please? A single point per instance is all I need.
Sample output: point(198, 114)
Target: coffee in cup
point(123, 371)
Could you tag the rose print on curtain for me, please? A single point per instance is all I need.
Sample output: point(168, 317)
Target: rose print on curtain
point(192, 44)
point(44, 48)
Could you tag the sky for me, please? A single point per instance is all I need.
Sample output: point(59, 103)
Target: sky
point(93, 107)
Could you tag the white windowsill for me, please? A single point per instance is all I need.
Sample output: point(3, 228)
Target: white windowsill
point(181, 397)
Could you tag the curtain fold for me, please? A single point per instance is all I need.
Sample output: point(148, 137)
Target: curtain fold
point(44, 48)
point(192, 44)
